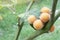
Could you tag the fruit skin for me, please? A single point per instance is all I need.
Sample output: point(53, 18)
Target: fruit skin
point(52, 28)
point(44, 17)
point(38, 24)
point(45, 10)
point(31, 19)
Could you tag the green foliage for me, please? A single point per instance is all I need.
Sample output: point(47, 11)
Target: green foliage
point(1, 7)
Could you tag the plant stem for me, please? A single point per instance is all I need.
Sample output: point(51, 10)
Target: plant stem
point(57, 16)
point(29, 6)
point(19, 30)
point(53, 9)
point(21, 25)
point(51, 22)
point(35, 34)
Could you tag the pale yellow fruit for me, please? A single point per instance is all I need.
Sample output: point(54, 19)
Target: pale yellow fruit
point(44, 17)
point(52, 28)
point(38, 24)
point(45, 10)
point(31, 19)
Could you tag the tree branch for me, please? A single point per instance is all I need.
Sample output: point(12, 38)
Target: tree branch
point(57, 16)
point(35, 34)
point(29, 6)
point(20, 25)
point(51, 22)
point(53, 9)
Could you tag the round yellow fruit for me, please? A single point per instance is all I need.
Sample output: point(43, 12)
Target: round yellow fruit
point(38, 24)
point(31, 19)
point(52, 28)
point(45, 10)
point(44, 17)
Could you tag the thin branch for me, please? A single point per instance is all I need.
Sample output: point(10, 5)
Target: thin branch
point(20, 25)
point(35, 34)
point(53, 9)
point(57, 16)
point(51, 22)
point(29, 6)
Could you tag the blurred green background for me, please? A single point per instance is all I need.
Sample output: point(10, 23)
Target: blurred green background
point(8, 24)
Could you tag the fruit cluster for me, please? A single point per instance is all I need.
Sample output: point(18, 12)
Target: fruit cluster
point(38, 24)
